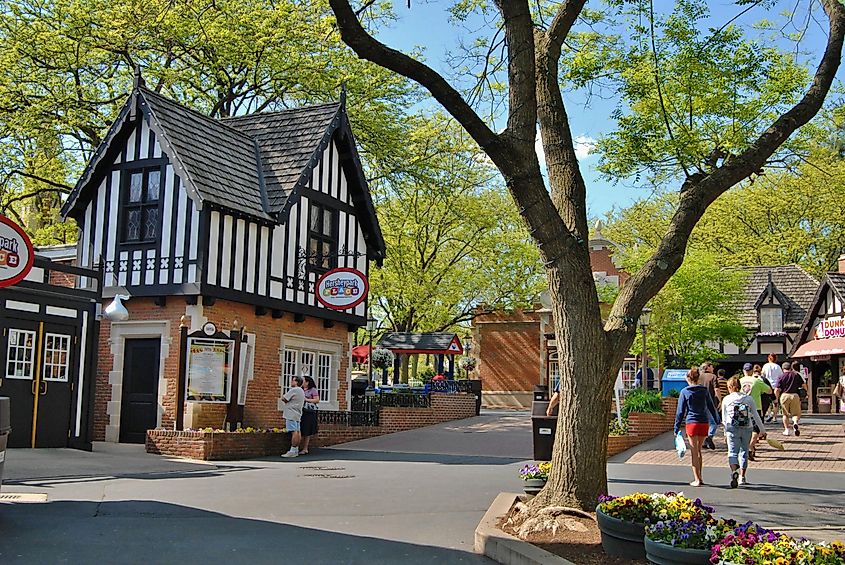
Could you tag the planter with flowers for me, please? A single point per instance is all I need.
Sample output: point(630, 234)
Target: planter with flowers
point(535, 475)
point(751, 543)
point(622, 520)
point(684, 541)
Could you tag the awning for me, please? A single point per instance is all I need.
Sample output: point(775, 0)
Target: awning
point(360, 353)
point(822, 347)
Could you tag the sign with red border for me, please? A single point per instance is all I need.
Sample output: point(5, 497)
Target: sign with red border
point(342, 288)
point(16, 253)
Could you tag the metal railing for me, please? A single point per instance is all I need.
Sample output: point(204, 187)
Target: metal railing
point(451, 387)
point(405, 399)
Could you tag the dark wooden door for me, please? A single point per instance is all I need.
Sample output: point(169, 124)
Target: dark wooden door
point(19, 355)
point(139, 402)
point(57, 373)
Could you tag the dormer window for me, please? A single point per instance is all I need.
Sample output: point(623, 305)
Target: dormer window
point(141, 190)
point(771, 319)
point(322, 238)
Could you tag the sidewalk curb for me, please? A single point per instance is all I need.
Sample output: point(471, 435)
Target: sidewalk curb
point(504, 548)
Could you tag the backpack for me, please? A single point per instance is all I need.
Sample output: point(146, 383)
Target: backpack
point(740, 417)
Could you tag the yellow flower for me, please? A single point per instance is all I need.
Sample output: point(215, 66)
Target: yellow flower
point(767, 549)
point(781, 561)
point(685, 516)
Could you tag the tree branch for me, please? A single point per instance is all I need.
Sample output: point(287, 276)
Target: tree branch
point(565, 18)
point(367, 47)
point(700, 191)
point(63, 188)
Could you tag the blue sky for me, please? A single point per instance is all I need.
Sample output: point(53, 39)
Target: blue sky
point(426, 25)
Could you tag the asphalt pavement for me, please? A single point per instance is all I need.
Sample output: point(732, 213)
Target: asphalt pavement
point(411, 497)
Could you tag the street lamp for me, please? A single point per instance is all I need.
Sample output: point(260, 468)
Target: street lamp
point(645, 318)
point(372, 325)
point(467, 349)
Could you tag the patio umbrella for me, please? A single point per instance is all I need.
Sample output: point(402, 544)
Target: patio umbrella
point(360, 353)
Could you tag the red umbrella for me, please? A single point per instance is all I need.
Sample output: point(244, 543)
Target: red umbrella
point(360, 353)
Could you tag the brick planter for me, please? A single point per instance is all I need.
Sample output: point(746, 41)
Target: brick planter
point(643, 427)
point(216, 446)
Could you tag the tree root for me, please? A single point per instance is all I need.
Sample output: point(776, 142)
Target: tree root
point(527, 522)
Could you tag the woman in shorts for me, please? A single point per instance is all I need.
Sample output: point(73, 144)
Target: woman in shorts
point(695, 412)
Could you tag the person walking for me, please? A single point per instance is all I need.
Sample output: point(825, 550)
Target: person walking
point(294, 399)
point(740, 417)
point(786, 391)
point(722, 383)
point(755, 387)
point(772, 372)
point(708, 379)
point(695, 412)
point(309, 413)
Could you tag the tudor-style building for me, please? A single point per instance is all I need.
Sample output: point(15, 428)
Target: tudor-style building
point(820, 343)
point(226, 221)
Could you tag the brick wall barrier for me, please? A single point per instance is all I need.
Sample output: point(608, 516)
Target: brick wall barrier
point(643, 427)
point(216, 446)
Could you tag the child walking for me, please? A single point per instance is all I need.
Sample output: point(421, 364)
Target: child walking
point(740, 417)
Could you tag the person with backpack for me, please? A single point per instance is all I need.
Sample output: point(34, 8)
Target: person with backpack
point(755, 387)
point(739, 415)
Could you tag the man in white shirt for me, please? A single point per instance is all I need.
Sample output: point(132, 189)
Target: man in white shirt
point(772, 371)
point(294, 399)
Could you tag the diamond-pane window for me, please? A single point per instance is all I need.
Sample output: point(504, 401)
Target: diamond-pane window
point(142, 189)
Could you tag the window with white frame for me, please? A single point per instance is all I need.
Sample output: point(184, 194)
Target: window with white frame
point(554, 371)
point(629, 373)
point(317, 359)
point(771, 319)
point(20, 354)
point(56, 357)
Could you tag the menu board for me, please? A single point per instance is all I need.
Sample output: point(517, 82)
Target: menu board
point(209, 369)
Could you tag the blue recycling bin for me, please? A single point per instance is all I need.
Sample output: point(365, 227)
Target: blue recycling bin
point(673, 379)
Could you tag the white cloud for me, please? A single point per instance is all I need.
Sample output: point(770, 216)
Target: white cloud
point(584, 146)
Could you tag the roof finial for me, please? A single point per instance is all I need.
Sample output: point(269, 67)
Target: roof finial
point(343, 94)
point(139, 80)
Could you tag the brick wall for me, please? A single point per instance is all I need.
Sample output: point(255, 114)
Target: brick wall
point(508, 348)
point(234, 445)
point(643, 427)
point(261, 408)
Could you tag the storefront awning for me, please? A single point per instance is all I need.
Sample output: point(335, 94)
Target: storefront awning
point(822, 347)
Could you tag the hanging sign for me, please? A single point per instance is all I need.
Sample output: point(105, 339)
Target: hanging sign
point(209, 369)
point(342, 288)
point(16, 253)
point(831, 327)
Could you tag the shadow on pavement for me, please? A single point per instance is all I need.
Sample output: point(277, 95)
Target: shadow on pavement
point(340, 454)
point(135, 531)
point(47, 481)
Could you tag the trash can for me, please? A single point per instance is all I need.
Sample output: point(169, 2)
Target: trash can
point(673, 379)
point(475, 388)
point(544, 428)
point(5, 429)
point(541, 392)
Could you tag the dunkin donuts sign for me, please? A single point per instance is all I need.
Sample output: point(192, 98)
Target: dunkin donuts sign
point(16, 253)
point(342, 288)
point(831, 327)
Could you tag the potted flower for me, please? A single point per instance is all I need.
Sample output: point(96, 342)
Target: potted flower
point(688, 539)
point(382, 358)
point(751, 543)
point(535, 476)
point(622, 520)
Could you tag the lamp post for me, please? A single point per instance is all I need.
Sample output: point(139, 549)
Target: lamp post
point(372, 325)
point(645, 318)
point(467, 349)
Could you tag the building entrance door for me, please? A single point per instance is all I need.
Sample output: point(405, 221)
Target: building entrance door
point(139, 401)
point(38, 367)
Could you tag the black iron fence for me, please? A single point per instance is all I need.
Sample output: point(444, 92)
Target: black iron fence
point(451, 387)
point(404, 399)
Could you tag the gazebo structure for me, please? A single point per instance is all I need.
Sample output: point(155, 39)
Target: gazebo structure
point(441, 345)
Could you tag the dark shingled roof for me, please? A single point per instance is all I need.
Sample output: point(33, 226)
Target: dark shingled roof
point(220, 160)
point(404, 340)
point(287, 140)
point(793, 282)
point(837, 281)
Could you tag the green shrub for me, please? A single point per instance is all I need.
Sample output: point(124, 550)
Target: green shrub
point(642, 401)
point(674, 393)
point(425, 374)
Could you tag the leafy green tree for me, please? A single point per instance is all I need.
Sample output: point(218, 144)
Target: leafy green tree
point(454, 239)
point(531, 38)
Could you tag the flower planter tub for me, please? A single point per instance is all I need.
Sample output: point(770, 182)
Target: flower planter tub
point(621, 538)
point(533, 486)
point(664, 554)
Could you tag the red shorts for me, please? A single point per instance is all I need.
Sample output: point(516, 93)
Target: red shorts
point(697, 430)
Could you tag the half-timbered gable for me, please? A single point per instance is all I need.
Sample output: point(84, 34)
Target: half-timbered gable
point(252, 209)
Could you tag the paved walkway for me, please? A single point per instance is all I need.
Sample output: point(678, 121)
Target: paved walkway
point(820, 447)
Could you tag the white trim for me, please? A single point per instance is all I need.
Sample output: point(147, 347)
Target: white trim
point(63, 312)
point(22, 306)
point(120, 331)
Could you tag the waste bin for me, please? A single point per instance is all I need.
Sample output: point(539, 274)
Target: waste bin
point(541, 392)
point(544, 428)
point(5, 429)
point(475, 388)
point(673, 379)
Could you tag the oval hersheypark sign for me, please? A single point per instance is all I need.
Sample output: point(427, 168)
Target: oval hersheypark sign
point(16, 253)
point(342, 288)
